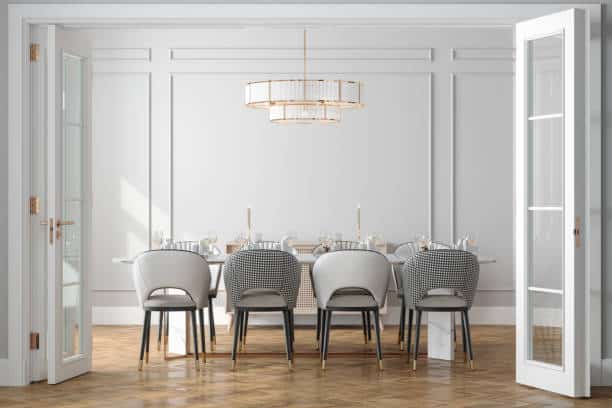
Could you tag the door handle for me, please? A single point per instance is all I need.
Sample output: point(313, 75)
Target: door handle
point(58, 225)
point(49, 223)
point(577, 232)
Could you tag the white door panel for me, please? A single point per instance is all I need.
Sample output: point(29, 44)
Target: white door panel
point(69, 321)
point(552, 333)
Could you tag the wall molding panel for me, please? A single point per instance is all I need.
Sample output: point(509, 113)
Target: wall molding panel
point(121, 54)
point(482, 54)
point(297, 54)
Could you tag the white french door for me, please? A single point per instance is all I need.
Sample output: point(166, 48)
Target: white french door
point(68, 321)
point(551, 312)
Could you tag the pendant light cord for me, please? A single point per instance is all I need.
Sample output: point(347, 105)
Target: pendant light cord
point(304, 64)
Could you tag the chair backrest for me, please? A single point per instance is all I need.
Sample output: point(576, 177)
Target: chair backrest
point(438, 245)
point(262, 269)
point(342, 245)
point(354, 268)
point(261, 245)
point(406, 250)
point(440, 269)
point(171, 269)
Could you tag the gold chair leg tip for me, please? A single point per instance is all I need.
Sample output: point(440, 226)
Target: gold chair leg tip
point(323, 364)
point(233, 364)
point(380, 365)
point(414, 365)
point(290, 364)
point(140, 365)
point(471, 364)
point(401, 346)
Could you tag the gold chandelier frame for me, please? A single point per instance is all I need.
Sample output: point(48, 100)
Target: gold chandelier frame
point(323, 110)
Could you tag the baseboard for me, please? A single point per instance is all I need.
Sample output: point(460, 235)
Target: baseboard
point(606, 372)
point(133, 315)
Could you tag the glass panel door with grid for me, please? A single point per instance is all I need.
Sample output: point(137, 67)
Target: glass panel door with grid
point(550, 269)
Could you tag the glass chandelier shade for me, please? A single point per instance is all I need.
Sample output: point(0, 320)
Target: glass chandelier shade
point(303, 100)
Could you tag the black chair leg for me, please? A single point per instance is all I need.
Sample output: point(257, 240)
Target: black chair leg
point(318, 327)
point(211, 322)
point(292, 327)
point(463, 338)
point(166, 332)
point(328, 317)
point(287, 328)
point(237, 318)
point(364, 324)
point(194, 329)
point(148, 339)
point(243, 332)
point(409, 342)
point(160, 329)
point(322, 342)
point(379, 354)
point(369, 324)
point(417, 338)
point(402, 326)
point(466, 323)
point(144, 339)
point(203, 334)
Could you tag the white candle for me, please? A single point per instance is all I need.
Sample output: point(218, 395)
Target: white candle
point(358, 222)
point(249, 222)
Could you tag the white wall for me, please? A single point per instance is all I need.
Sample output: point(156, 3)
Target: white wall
point(181, 91)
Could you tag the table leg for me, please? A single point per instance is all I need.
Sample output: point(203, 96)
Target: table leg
point(440, 335)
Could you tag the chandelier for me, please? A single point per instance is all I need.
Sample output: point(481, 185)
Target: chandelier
point(303, 100)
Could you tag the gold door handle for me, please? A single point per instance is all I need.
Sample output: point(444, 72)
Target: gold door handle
point(59, 224)
point(577, 232)
point(50, 224)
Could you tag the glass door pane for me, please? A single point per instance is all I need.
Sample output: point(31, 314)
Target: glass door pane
point(72, 202)
point(545, 181)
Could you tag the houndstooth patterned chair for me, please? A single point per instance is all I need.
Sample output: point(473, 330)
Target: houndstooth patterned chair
point(404, 251)
point(440, 269)
point(262, 280)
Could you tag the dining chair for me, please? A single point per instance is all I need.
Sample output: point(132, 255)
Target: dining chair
point(404, 251)
point(262, 280)
point(319, 250)
point(164, 318)
point(336, 274)
point(161, 269)
point(451, 269)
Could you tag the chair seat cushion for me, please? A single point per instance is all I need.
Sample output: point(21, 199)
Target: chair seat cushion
point(351, 301)
point(442, 302)
point(169, 301)
point(262, 299)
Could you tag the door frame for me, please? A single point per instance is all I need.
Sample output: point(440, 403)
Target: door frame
point(15, 370)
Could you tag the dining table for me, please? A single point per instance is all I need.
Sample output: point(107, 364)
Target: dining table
point(440, 326)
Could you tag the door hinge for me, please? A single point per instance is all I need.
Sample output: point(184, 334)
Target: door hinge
point(34, 52)
point(34, 341)
point(34, 205)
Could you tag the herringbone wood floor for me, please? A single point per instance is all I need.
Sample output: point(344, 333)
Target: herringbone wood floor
point(266, 382)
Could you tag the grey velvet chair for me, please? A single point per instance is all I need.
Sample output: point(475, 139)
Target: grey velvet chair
point(340, 245)
point(171, 269)
point(262, 280)
point(440, 269)
point(164, 318)
point(405, 251)
point(351, 280)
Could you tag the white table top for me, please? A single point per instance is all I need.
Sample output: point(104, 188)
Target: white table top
point(305, 259)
